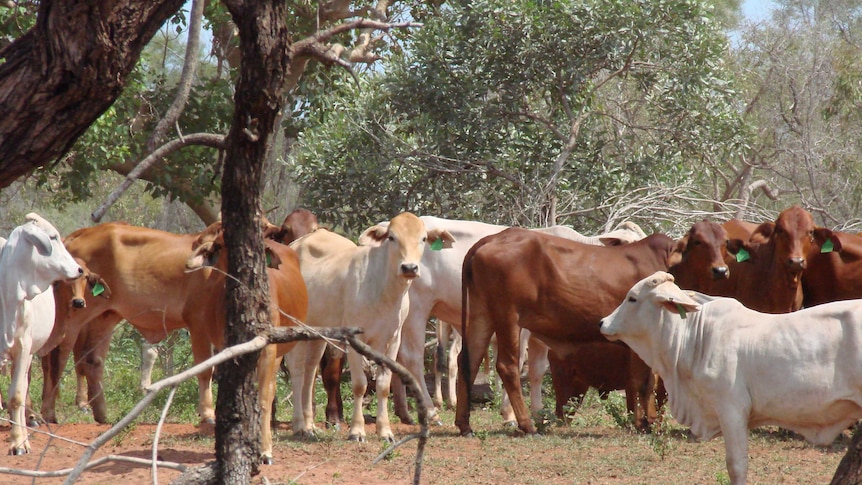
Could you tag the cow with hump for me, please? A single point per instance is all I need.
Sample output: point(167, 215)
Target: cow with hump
point(359, 286)
point(30, 261)
point(728, 368)
point(558, 290)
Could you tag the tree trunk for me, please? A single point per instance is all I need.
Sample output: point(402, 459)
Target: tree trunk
point(849, 471)
point(258, 100)
point(59, 77)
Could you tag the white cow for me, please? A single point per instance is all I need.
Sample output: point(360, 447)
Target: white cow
point(30, 261)
point(438, 294)
point(728, 368)
point(359, 286)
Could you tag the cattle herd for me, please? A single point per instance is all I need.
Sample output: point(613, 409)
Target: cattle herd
point(735, 324)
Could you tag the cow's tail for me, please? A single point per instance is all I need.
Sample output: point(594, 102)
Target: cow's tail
point(464, 356)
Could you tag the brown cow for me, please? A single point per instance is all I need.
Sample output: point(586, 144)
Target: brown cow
point(766, 269)
point(834, 271)
point(608, 366)
point(206, 310)
point(557, 289)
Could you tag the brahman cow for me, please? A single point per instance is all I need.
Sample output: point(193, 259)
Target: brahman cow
point(728, 368)
point(359, 286)
point(145, 269)
point(206, 310)
point(30, 261)
point(437, 294)
point(606, 367)
point(558, 290)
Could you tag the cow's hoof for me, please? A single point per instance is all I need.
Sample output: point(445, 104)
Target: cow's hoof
point(356, 437)
point(467, 434)
point(33, 422)
point(266, 460)
point(18, 451)
point(389, 439)
point(306, 434)
point(335, 426)
point(407, 420)
point(210, 421)
point(510, 424)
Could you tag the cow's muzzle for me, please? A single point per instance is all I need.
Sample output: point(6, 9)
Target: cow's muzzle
point(720, 272)
point(796, 264)
point(409, 270)
point(79, 303)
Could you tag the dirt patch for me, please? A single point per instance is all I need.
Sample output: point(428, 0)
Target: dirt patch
point(587, 452)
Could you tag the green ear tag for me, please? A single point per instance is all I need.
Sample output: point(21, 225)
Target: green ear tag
point(827, 247)
point(98, 289)
point(437, 245)
point(268, 260)
point(681, 310)
point(742, 255)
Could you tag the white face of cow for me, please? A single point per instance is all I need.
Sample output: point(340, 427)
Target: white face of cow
point(37, 252)
point(645, 305)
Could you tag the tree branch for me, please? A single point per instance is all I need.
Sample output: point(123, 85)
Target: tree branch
point(205, 139)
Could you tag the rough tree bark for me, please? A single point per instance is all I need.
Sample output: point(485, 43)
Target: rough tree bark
point(258, 100)
point(849, 471)
point(59, 77)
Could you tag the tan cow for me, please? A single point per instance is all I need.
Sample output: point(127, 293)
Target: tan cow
point(206, 310)
point(359, 286)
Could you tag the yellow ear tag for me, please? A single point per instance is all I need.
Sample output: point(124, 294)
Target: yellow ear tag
point(742, 255)
point(681, 310)
point(437, 245)
point(98, 289)
point(827, 247)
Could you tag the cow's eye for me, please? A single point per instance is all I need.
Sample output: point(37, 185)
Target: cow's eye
point(633, 299)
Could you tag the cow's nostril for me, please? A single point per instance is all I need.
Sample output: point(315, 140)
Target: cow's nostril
point(719, 272)
point(79, 303)
point(80, 270)
point(409, 268)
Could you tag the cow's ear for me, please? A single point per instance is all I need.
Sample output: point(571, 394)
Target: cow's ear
point(272, 259)
point(677, 251)
point(827, 240)
point(38, 239)
point(203, 255)
point(674, 300)
point(98, 286)
point(374, 235)
point(443, 236)
point(762, 232)
point(742, 250)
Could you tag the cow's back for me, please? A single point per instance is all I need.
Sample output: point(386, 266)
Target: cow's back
point(144, 267)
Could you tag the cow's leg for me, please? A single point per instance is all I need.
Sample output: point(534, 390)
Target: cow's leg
point(53, 366)
point(734, 428)
point(149, 354)
point(81, 400)
point(508, 356)
point(470, 358)
point(331, 369)
point(443, 330)
point(411, 354)
point(201, 351)
point(267, 370)
point(302, 366)
point(564, 381)
point(537, 359)
point(642, 387)
point(398, 391)
point(19, 444)
point(359, 383)
point(383, 381)
point(506, 410)
point(91, 350)
point(452, 376)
